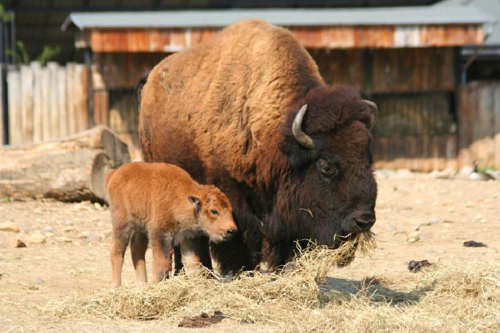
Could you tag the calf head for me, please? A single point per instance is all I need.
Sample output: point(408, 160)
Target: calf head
point(214, 214)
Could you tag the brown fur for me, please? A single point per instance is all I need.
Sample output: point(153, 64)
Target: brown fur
point(223, 111)
point(161, 203)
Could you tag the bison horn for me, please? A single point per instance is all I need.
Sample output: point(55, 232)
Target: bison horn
point(374, 116)
point(299, 135)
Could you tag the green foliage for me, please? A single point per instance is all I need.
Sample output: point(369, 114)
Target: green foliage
point(48, 53)
point(4, 16)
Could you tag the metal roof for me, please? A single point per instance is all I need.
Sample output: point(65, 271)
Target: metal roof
point(491, 7)
point(429, 15)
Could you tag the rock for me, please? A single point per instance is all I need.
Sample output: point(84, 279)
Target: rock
point(98, 207)
point(413, 237)
point(68, 229)
point(434, 220)
point(16, 243)
point(64, 239)
point(94, 237)
point(36, 238)
point(9, 226)
point(48, 229)
point(39, 281)
point(106, 233)
point(69, 223)
point(472, 243)
point(415, 266)
point(83, 234)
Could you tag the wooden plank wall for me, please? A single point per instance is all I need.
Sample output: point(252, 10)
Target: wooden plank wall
point(479, 124)
point(46, 103)
point(419, 153)
point(389, 70)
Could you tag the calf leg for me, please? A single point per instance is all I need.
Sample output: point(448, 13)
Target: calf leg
point(119, 242)
point(138, 247)
point(161, 244)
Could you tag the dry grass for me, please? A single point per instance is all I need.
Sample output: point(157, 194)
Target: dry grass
point(440, 298)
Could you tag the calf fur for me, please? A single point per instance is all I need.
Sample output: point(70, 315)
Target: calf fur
point(161, 203)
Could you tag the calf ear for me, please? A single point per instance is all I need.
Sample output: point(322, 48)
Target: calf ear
point(195, 201)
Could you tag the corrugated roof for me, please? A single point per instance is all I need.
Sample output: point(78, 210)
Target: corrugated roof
point(491, 7)
point(284, 17)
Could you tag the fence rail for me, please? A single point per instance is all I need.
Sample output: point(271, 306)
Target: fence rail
point(47, 102)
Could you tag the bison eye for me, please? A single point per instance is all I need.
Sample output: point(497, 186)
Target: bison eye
point(326, 169)
point(214, 212)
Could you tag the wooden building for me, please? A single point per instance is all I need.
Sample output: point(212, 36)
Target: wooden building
point(406, 59)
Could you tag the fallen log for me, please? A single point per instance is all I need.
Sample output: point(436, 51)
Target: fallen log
point(68, 169)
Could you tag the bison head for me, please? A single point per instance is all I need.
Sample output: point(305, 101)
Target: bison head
point(329, 188)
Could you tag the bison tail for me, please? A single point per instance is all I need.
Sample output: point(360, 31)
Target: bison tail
point(138, 88)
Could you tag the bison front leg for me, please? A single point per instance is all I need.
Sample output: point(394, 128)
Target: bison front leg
point(195, 253)
point(162, 247)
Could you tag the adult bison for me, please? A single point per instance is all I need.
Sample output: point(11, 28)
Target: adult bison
point(249, 112)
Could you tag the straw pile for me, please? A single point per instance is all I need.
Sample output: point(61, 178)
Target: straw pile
point(440, 298)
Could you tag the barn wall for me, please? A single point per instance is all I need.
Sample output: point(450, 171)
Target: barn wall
point(414, 89)
point(479, 124)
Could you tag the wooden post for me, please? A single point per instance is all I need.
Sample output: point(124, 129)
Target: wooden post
point(54, 114)
point(37, 103)
point(81, 97)
point(27, 103)
point(62, 105)
point(70, 98)
point(15, 116)
point(45, 104)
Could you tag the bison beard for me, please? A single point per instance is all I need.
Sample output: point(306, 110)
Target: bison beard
point(249, 112)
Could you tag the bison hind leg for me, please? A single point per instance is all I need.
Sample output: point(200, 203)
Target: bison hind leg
point(119, 242)
point(138, 247)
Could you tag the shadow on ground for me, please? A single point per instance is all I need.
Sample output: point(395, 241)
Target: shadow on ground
point(370, 288)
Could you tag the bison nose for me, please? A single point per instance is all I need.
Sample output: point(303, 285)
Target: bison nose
point(230, 233)
point(363, 221)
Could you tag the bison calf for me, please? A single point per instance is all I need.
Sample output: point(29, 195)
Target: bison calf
point(161, 203)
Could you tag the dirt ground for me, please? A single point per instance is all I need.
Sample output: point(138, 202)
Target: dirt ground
point(446, 213)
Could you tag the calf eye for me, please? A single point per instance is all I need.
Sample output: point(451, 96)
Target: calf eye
point(326, 169)
point(214, 212)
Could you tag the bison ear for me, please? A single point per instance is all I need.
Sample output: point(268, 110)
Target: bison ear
point(195, 201)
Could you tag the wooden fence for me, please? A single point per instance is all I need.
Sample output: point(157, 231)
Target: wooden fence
point(479, 124)
point(47, 102)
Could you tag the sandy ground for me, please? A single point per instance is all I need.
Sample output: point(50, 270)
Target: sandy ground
point(445, 212)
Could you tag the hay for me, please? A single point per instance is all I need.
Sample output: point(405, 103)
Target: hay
point(440, 298)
